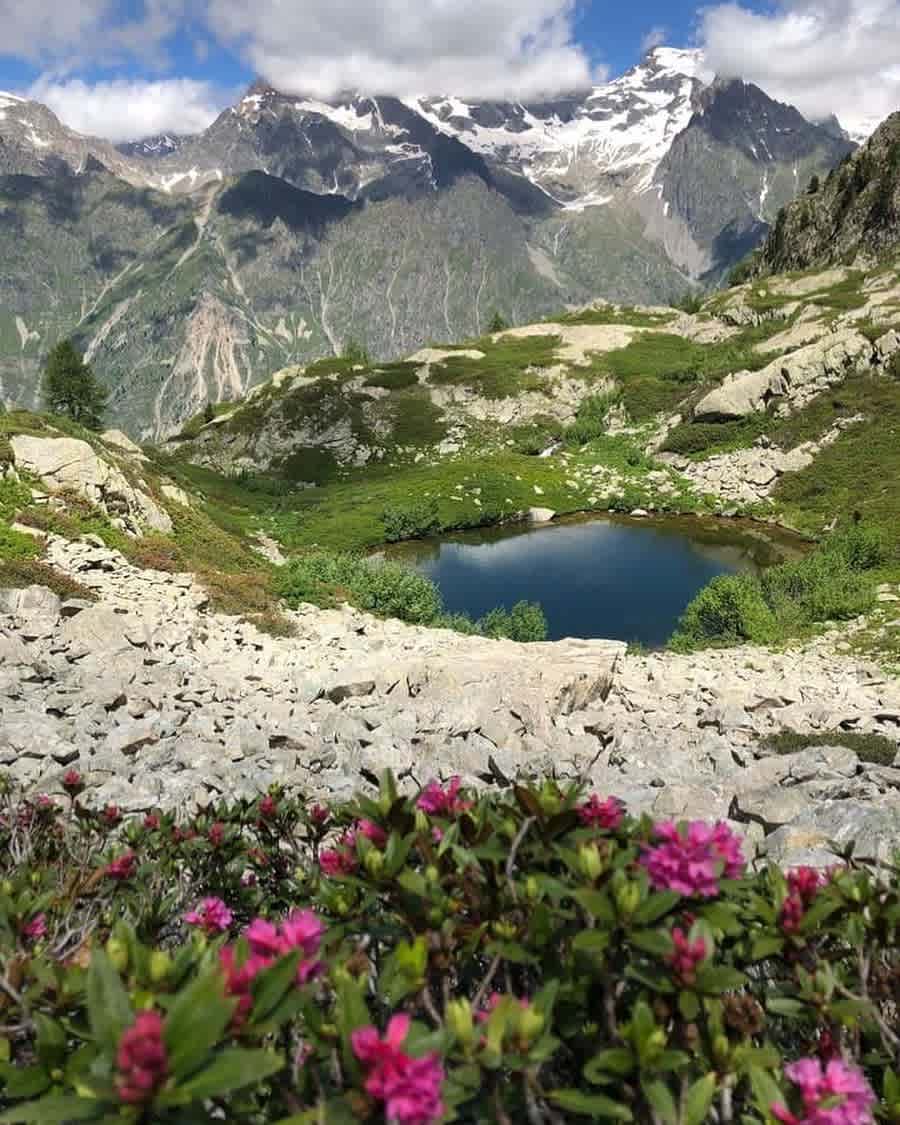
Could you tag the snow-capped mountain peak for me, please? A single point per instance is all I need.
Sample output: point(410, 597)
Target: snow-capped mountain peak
point(618, 131)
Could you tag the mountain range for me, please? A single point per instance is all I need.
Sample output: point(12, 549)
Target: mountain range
point(190, 269)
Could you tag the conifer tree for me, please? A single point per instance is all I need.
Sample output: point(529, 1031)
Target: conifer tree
point(71, 388)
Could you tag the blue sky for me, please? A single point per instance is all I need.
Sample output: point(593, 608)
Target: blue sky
point(122, 68)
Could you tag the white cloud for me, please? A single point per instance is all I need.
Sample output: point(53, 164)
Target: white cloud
point(655, 37)
point(124, 110)
point(479, 48)
point(823, 56)
point(66, 34)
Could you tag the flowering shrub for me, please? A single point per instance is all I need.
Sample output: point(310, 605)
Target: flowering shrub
point(524, 954)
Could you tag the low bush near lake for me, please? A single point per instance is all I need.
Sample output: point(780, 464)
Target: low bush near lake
point(527, 953)
point(833, 583)
point(390, 589)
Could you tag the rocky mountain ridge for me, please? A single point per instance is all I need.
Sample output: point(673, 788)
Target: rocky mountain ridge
point(291, 227)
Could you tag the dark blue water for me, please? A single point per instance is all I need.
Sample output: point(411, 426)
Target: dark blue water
point(627, 580)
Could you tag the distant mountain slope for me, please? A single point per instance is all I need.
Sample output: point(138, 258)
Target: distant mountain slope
point(292, 225)
point(853, 217)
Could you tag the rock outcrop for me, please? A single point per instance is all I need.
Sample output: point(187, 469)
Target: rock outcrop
point(67, 464)
point(789, 382)
point(157, 701)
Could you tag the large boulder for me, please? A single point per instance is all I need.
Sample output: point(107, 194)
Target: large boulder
point(793, 380)
point(69, 464)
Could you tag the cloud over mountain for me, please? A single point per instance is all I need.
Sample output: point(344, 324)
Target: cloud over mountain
point(476, 48)
point(824, 56)
point(123, 109)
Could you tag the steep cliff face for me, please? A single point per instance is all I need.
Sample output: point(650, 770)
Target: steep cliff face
point(740, 159)
point(853, 217)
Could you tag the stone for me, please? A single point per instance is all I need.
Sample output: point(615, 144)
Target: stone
point(69, 463)
point(98, 629)
point(540, 515)
point(794, 378)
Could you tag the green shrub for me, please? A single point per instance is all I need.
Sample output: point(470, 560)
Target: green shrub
point(411, 521)
point(833, 583)
point(873, 748)
point(730, 610)
point(691, 438)
point(526, 953)
point(17, 545)
point(524, 622)
point(395, 376)
point(590, 420)
point(390, 589)
point(381, 587)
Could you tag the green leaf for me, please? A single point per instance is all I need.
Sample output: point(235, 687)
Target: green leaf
point(595, 1106)
point(716, 979)
point(593, 943)
point(785, 1006)
point(699, 1099)
point(655, 907)
point(53, 1110)
point(196, 1022)
point(721, 917)
point(597, 904)
point(270, 986)
point(396, 853)
point(233, 1069)
point(351, 1013)
point(617, 1061)
point(766, 945)
point(654, 942)
point(766, 1090)
point(25, 1081)
point(511, 951)
point(50, 1040)
point(688, 1005)
point(661, 1101)
point(109, 1009)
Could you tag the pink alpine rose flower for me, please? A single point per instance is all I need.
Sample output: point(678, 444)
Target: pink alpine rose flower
point(607, 814)
point(692, 858)
point(409, 1089)
point(142, 1064)
point(834, 1094)
point(443, 800)
point(36, 929)
point(122, 868)
point(211, 915)
point(337, 862)
point(372, 831)
point(686, 958)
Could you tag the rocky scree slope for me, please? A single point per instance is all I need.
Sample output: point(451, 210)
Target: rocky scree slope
point(292, 226)
point(157, 701)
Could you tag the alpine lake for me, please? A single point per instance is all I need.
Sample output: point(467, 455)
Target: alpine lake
point(616, 577)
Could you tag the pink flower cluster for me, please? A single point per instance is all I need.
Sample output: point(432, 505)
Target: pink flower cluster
point(408, 1088)
point(836, 1094)
point(686, 957)
point(302, 930)
point(607, 814)
point(692, 861)
point(36, 929)
point(122, 868)
point(211, 915)
point(142, 1065)
point(342, 860)
point(443, 800)
point(803, 886)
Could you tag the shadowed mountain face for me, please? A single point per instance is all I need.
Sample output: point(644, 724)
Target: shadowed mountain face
point(192, 268)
